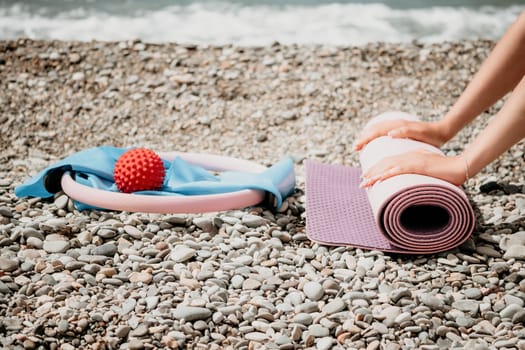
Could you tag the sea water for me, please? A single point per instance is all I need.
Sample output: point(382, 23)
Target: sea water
point(244, 22)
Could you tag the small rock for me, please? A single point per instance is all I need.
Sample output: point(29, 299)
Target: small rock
point(133, 231)
point(318, 331)
point(473, 293)
point(74, 57)
point(511, 189)
point(515, 252)
point(62, 326)
point(432, 301)
point(303, 318)
point(313, 290)
point(58, 246)
point(122, 331)
point(253, 220)
point(78, 76)
point(397, 294)
point(61, 201)
point(182, 253)
point(390, 314)
point(191, 313)
point(108, 249)
point(325, 343)
point(256, 336)
point(519, 317)
point(144, 277)
point(489, 187)
point(510, 311)
point(251, 284)
point(470, 306)
point(135, 344)
point(334, 306)
point(34, 243)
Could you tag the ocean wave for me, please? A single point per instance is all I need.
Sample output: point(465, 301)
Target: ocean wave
point(219, 23)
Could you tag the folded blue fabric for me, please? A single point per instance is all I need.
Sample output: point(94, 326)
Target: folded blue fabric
point(94, 167)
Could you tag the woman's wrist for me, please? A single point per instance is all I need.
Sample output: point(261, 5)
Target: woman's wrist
point(444, 129)
point(461, 170)
point(451, 124)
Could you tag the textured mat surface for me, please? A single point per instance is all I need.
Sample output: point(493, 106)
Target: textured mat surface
point(410, 213)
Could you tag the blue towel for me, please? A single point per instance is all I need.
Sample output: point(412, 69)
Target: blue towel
point(94, 167)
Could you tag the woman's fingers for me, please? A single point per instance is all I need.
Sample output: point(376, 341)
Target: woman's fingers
point(403, 132)
point(381, 176)
point(428, 132)
point(375, 131)
point(411, 162)
point(367, 136)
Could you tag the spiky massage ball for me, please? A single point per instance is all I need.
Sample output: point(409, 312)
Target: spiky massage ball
point(139, 169)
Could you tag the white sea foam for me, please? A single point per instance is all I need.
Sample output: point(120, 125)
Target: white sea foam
point(220, 23)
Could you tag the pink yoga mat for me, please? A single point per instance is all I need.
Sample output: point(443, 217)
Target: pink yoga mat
point(408, 213)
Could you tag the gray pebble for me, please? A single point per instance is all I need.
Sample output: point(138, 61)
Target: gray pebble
point(519, 317)
point(128, 306)
point(4, 289)
point(61, 201)
point(253, 220)
point(140, 331)
point(135, 344)
point(251, 284)
point(122, 331)
point(334, 306)
point(510, 311)
point(62, 326)
point(256, 336)
point(35, 243)
point(313, 290)
point(5, 212)
point(190, 313)
point(133, 231)
point(182, 253)
point(104, 233)
point(281, 339)
point(515, 251)
point(58, 246)
point(398, 294)
point(32, 232)
point(403, 317)
point(107, 249)
point(78, 76)
point(472, 293)
point(5, 182)
point(432, 301)
point(303, 318)
point(204, 224)
point(515, 239)
point(237, 281)
point(318, 331)
point(469, 306)
point(325, 343)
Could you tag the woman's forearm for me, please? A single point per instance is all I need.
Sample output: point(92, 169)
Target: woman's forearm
point(499, 74)
point(506, 129)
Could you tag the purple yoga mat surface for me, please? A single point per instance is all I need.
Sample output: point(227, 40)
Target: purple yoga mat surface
point(338, 211)
point(409, 213)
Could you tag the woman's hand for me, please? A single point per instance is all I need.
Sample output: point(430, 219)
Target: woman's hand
point(434, 133)
point(451, 169)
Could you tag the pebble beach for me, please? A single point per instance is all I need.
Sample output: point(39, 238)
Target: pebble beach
point(247, 278)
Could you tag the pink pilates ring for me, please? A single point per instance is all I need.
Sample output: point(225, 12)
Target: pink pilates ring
point(173, 204)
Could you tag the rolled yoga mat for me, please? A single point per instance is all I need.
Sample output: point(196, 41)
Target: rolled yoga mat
point(409, 213)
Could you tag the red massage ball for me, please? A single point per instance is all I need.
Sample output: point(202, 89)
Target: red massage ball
point(139, 169)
